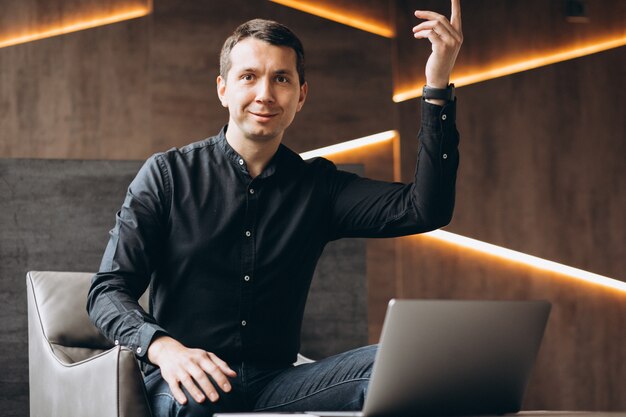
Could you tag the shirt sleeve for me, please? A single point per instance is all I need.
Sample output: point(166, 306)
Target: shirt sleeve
point(363, 207)
point(129, 260)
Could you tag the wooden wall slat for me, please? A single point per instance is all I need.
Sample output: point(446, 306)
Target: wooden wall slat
point(25, 17)
point(82, 95)
point(543, 169)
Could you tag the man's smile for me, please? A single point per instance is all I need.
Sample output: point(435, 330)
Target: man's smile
point(263, 116)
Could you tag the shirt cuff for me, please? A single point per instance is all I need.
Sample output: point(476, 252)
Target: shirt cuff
point(436, 117)
point(146, 334)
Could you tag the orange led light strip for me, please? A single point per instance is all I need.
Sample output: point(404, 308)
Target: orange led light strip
point(529, 260)
point(519, 66)
point(339, 17)
point(86, 24)
point(351, 144)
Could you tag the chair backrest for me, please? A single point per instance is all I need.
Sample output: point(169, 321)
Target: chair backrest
point(60, 298)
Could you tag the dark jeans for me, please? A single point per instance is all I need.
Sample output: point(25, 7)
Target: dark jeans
point(336, 383)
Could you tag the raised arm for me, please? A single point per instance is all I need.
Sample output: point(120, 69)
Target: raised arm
point(368, 208)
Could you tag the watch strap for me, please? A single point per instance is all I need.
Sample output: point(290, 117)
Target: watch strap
point(439, 93)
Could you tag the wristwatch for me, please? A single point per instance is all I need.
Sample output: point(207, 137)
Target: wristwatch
point(439, 93)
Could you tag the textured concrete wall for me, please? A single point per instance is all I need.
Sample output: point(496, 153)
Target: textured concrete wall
point(56, 214)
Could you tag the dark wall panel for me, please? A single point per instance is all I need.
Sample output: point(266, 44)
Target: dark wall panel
point(543, 169)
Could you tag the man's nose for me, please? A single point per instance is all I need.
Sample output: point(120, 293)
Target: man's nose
point(265, 92)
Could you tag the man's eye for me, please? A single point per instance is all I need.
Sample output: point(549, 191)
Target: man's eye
point(247, 77)
point(282, 79)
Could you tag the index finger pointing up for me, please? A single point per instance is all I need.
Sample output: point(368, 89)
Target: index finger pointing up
point(455, 18)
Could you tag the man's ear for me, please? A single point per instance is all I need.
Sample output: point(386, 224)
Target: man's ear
point(221, 90)
point(304, 88)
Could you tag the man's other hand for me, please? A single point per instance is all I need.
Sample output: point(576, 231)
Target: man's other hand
point(191, 368)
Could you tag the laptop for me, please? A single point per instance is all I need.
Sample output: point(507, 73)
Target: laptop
point(452, 358)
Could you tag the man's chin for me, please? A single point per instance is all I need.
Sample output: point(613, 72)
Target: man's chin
point(261, 135)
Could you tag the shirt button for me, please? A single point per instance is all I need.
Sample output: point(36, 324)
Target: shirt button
point(117, 342)
point(240, 161)
point(246, 278)
point(445, 156)
point(251, 190)
point(243, 322)
point(444, 117)
point(248, 233)
point(138, 350)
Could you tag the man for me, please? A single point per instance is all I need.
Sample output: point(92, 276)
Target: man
point(227, 233)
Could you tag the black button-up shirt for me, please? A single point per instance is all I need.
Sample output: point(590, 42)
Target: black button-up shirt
point(229, 258)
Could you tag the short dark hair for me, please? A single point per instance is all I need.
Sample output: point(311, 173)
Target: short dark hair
point(269, 31)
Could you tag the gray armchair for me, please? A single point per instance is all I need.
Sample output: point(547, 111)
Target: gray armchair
point(73, 369)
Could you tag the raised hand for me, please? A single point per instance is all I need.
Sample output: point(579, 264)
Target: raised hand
point(446, 38)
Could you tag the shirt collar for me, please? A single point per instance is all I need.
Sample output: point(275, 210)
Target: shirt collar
point(281, 158)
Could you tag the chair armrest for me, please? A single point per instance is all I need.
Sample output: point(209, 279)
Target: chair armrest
point(108, 384)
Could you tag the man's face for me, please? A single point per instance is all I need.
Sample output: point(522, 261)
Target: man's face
point(261, 90)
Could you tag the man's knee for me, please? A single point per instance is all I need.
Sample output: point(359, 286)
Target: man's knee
point(362, 360)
